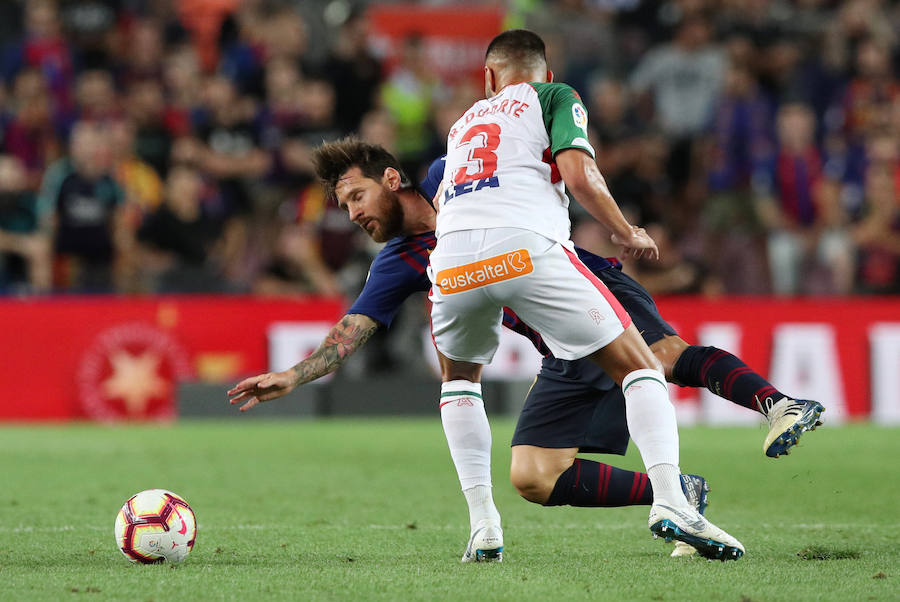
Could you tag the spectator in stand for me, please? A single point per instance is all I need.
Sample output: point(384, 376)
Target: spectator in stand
point(329, 248)
point(409, 94)
point(182, 82)
point(227, 147)
point(354, 72)
point(31, 133)
point(311, 125)
point(378, 127)
point(296, 266)
point(142, 190)
point(182, 245)
point(878, 234)
point(227, 144)
point(85, 203)
point(854, 21)
point(96, 97)
point(684, 79)
point(25, 256)
point(283, 82)
point(317, 102)
point(143, 52)
point(740, 142)
point(90, 26)
point(140, 183)
point(283, 118)
point(712, 174)
point(203, 20)
point(96, 100)
point(610, 109)
point(43, 48)
point(581, 38)
point(145, 108)
point(620, 148)
point(743, 132)
point(872, 90)
point(242, 43)
point(284, 37)
point(797, 208)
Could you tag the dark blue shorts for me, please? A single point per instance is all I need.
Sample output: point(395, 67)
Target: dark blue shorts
point(575, 404)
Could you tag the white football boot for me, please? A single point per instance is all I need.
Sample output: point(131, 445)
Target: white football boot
point(695, 490)
point(688, 525)
point(485, 543)
point(788, 419)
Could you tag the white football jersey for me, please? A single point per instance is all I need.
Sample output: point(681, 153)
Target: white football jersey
point(500, 170)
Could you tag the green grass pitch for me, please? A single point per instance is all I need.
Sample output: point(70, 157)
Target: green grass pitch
point(371, 510)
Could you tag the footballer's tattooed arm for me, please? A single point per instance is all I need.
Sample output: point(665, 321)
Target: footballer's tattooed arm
point(343, 340)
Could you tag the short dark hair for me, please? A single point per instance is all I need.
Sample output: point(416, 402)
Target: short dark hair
point(333, 159)
point(518, 46)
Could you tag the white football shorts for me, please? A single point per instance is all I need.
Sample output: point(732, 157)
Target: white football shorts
point(475, 273)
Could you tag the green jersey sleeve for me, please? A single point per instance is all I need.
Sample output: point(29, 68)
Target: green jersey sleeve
point(564, 117)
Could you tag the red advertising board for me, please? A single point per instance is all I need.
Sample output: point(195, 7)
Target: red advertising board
point(115, 357)
point(813, 344)
point(120, 357)
point(454, 37)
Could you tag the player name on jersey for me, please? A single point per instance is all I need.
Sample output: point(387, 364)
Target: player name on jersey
point(509, 106)
point(471, 186)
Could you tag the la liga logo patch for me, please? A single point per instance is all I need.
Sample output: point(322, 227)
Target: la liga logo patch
point(579, 116)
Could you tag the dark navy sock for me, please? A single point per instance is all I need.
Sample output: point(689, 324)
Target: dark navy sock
point(591, 484)
point(723, 374)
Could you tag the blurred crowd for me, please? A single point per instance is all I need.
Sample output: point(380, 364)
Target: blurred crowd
point(164, 146)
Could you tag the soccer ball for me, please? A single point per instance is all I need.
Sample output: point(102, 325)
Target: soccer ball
point(154, 526)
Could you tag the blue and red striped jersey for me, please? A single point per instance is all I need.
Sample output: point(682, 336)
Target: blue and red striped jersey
point(397, 272)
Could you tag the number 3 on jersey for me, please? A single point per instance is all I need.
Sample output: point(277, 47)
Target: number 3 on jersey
point(483, 155)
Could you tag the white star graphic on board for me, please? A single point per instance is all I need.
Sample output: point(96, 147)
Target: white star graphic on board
point(135, 380)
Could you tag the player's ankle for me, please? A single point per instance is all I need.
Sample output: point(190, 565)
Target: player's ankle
point(481, 505)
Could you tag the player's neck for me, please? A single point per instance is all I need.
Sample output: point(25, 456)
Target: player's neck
point(507, 85)
point(512, 78)
point(418, 214)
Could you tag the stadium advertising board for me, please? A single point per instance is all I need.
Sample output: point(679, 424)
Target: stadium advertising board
point(842, 352)
point(114, 358)
point(119, 358)
point(453, 37)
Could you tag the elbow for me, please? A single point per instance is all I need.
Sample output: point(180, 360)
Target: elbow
point(579, 171)
point(580, 185)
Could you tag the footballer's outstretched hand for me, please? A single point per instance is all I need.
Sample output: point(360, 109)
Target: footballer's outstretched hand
point(261, 388)
point(638, 244)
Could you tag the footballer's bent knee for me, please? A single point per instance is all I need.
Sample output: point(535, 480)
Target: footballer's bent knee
point(535, 470)
point(667, 350)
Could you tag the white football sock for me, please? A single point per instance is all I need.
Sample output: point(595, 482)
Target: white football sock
point(469, 438)
point(653, 428)
point(666, 481)
point(481, 505)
